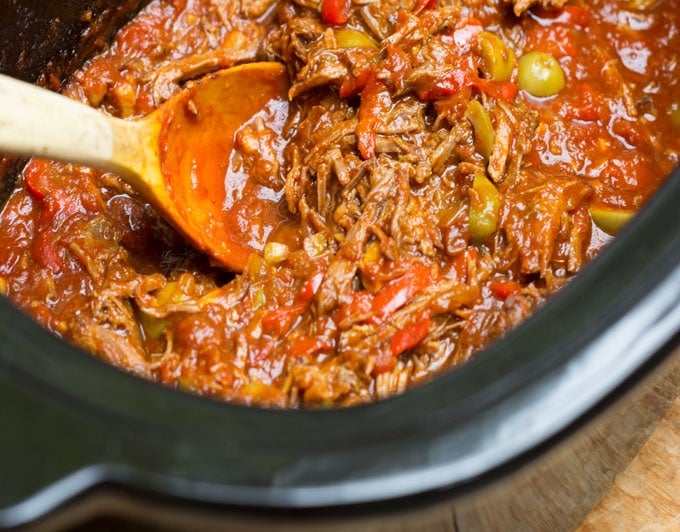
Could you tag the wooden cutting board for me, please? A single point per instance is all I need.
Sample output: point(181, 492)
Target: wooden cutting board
point(646, 495)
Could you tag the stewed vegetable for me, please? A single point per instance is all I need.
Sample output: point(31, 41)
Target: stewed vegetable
point(611, 221)
point(485, 204)
point(540, 74)
point(483, 128)
point(497, 57)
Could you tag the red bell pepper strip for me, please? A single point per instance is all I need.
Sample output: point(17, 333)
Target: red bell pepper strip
point(375, 101)
point(280, 320)
point(375, 309)
point(56, 205)
point(410, 336)
point(46, 253)
point(398, 64)
point(310, 287)
point(36, 175)
point(501, 90)
point(407, 338)
point(355, 84)
point(458, 79)
point(307, 345)
point(335, 12)
point(400, 291)
point(453, 82)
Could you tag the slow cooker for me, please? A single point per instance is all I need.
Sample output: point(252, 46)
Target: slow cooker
point(526, 436)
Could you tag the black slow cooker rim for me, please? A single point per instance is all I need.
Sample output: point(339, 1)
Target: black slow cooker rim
point(101, 425)
point(644, 261)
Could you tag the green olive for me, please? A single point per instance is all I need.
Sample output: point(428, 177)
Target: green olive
point(349, 38)
point(540, 74)
point(485, 205)
point(498, 57)
point(484, 133)
point(611, 221)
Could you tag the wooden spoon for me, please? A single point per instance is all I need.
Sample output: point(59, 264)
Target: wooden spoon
point(179, 158)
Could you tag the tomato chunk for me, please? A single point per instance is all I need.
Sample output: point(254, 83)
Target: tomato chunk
point(335, 12)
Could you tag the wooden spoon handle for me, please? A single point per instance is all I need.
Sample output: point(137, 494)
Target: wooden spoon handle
point(37, 122)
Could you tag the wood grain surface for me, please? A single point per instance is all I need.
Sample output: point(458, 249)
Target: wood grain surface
point(646, 495)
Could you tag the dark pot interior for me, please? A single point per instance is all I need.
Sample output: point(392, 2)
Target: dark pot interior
point(75, 426)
